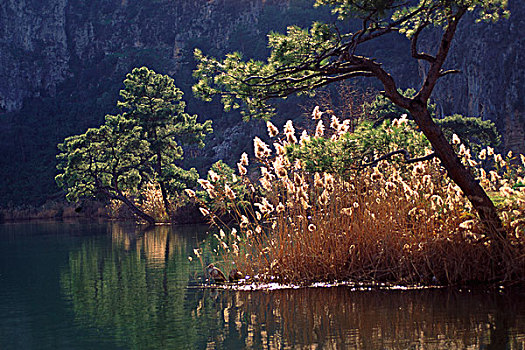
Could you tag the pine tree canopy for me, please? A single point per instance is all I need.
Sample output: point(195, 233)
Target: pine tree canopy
point(302, 60)
point(140, 145)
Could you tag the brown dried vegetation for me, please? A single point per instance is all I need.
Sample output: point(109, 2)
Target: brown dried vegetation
point(397, 223)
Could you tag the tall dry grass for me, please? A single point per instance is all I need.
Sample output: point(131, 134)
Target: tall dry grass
point(395, 222)
point(153, 204)
point(149, 200)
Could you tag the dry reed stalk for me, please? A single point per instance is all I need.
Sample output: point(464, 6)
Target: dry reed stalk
point(152, 203)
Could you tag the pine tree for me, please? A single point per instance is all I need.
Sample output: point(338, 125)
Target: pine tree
point(140, 145)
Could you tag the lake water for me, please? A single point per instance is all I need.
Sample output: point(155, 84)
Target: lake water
point(109, 286)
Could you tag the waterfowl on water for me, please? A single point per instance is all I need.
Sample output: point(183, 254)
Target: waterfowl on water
point(235, 275)
point(216, 274)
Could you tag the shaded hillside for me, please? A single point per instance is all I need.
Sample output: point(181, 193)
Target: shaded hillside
point(62, 63)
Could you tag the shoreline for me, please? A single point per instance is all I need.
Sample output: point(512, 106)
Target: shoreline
point(56, 210)
point(53, 211)
point(253, 286)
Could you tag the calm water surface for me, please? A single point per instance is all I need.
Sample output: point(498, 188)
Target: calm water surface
point(110, 286)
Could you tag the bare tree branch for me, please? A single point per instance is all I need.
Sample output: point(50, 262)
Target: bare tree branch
point(359, 37)
point(447, 72)
point(385, 78)
point(326, 81)
point(434, 72)
point(322, 72)
point(413, 46)
point(406, 156)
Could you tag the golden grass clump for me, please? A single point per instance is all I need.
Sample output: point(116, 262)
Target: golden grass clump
point(153, 204)
point(394, 222)
point(149, 201)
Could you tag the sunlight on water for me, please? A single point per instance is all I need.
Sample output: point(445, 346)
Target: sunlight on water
point(111, 286)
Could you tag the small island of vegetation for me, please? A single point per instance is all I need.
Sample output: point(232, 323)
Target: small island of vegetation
point(391, 195)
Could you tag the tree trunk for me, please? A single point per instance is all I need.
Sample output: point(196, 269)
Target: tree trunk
point(134, 209)
point(165, 199)
point(457, 171)
point(162, 185)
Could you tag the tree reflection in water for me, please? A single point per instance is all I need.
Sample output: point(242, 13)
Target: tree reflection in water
point(138, 291)
point(134, 288)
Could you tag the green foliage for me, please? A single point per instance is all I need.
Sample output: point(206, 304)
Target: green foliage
point(441, 11)
point(358, 8)
point(474, 132)
point(135, 147)
point(378, 135)
point(153, 102)
point(243, 81)
point(100, 161)
point(353, 151)
point(436, 12)
point(382, 108)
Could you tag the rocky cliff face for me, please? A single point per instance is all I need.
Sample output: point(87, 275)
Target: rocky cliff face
point(62, 63)
point(34, 53)
point(42, 43)
point(491, 58)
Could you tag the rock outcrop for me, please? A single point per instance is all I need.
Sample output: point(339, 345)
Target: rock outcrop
point(491, 58)
point(45, 42)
